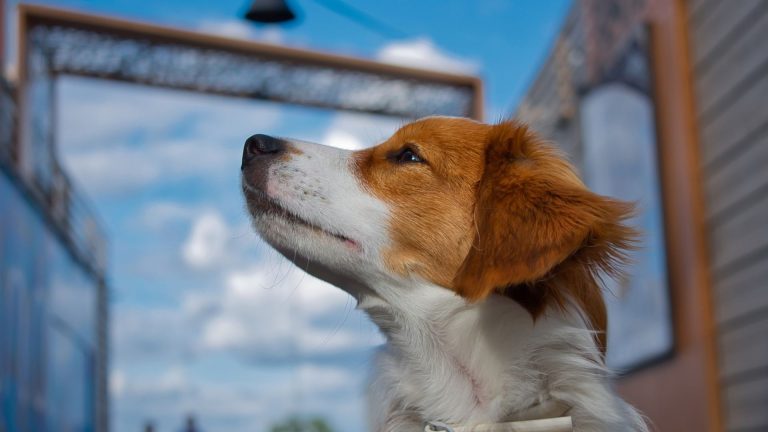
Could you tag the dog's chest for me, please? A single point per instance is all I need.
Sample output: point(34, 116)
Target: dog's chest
point(459, 373)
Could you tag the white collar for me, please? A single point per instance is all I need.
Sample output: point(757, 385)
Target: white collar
point(547, 416)
point(555, 424)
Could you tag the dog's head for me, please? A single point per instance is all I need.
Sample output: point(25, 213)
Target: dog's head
point(471, 207)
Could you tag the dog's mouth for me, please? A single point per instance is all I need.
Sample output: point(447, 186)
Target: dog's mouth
point(259, 200)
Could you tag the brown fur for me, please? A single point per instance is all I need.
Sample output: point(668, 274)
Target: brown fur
point(431, 211)
point(496, 209)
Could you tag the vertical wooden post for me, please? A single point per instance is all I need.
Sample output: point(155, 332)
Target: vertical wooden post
point(478, 99)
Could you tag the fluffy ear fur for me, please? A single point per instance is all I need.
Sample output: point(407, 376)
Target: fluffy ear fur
point(539, 231)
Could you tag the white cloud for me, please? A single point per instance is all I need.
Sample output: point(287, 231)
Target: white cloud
point(272, 35)
point(172, 380)
point(114, 170)
point(121, 169)
point(325, 378)
point(294, 303)
point(228, 27)
point(240, 29)
point(246, 402)
point(151, 334)
point(96, 113)
point(157, 215)
point(207, 241)
point(353, 131)
point(116, 383)
point(423, 53)
point(200, 237)
point(294, 327)
point(119, 138)
point(343, 139)
point(268, 314)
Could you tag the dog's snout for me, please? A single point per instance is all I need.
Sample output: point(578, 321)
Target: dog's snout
point(260, 145)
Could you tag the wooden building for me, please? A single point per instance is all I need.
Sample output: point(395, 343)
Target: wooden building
point(729, 69)
point(708, 73)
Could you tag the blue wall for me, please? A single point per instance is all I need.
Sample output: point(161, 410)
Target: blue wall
point(48, 325)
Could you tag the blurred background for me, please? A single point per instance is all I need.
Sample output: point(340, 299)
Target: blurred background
point(134, 296)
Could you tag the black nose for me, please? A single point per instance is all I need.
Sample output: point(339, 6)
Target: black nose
point(261, 145)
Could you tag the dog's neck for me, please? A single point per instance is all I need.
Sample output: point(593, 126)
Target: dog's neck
point(487, 362)
point(469, 361)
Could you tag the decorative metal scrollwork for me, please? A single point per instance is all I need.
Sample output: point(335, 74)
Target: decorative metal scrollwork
point(81, 51)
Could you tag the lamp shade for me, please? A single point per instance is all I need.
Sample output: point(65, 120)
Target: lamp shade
point(269, 11)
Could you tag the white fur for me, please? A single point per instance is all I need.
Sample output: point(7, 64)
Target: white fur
point(445, 359)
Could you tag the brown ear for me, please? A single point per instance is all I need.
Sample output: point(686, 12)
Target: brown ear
point(535, 220)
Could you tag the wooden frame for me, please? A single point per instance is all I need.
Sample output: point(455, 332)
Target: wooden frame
point(681, 393)
point(30, 14)
point(631, 347)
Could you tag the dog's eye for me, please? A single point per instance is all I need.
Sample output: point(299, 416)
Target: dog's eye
point(408, 155)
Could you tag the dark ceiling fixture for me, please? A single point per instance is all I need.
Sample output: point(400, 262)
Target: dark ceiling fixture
point(269, 12)
point(277, 12)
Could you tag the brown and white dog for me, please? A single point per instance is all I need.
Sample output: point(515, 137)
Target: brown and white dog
point(477, 251)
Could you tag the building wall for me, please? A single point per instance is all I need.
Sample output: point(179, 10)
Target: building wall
point(48, 324)
point(730, 69)
point(680, 391)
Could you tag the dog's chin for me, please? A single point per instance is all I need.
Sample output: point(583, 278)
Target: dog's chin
point(318, 252)
point(286, 230)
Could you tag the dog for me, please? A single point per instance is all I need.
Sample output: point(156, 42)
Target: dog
point(477, 251)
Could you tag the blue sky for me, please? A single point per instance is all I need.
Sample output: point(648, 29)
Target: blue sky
point(205, 317)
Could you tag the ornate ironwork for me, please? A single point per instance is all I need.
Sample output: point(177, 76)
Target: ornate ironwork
point(176, 64)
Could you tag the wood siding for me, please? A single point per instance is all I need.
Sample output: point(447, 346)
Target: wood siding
point(729, 54)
